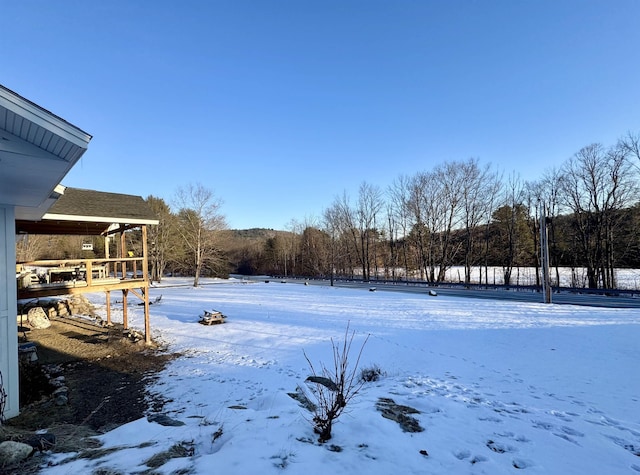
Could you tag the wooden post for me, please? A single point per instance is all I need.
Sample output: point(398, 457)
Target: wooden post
point(145, 275)
point(147, 324)
point(123, 253)
point(145, 261)
point(125, 317)
point(108, 293)
point(106, 256)
point(89, 272)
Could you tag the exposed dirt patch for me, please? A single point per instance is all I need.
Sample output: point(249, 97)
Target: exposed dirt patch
point(399, 413)
point(105, 371)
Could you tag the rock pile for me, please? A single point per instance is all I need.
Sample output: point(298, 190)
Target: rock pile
point(39, 312)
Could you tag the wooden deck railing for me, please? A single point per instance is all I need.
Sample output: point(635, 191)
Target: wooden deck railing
point(45, 276)
point(77, 276)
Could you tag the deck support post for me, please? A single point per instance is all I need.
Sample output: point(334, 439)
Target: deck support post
point(108, 294)
point(125, 317)
point(145, 290)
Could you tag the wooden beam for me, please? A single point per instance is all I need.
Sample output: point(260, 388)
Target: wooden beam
point(139, 295)
point(120, 229)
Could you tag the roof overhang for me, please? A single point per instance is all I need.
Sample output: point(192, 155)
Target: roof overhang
point(37, 149)
point(90, 213)
point(74, 227)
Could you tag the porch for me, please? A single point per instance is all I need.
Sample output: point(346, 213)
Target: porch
point(78, 276)
point(91, 213)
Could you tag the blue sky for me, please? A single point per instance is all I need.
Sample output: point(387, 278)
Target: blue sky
point(280, 106)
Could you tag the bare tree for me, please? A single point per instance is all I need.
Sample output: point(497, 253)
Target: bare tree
point(359, 223)
point(398, 222)
point(30, 247)
point(331, 225)
point(435, 204)
point(478, 186)
point(161, 238)
point(630, 145)
point(419, 206)
point(199, 224)
point(510, 219)
point(597, 184)
point(495, 190)
point(369, 205)
point(549, 193)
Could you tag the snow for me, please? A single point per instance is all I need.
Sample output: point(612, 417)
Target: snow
point(628, 279)
point(502, 387)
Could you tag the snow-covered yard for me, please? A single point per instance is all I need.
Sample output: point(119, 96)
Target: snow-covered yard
point(501, 387)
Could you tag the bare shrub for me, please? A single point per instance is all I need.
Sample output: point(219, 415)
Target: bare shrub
point(371, 374)
point(334, 388)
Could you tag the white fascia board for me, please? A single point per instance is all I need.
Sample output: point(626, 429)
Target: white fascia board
point(43, 118)
point(94, 219)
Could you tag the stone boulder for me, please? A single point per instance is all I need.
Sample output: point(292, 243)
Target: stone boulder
point(12, 452)
point(38, 318)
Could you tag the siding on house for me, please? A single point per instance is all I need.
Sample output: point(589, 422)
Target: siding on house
point(8, 305)
point(37, 149)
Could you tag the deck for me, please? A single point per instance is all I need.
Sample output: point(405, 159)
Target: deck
point(50, 278)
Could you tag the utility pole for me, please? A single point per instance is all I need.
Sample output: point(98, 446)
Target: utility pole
point(544, 254)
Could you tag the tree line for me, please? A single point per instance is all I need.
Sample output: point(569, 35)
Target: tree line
point(459, 213)
point(464, 213)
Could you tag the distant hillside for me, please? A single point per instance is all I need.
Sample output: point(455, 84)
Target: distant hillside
point(254, 233)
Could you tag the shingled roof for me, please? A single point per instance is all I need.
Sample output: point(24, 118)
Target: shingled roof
point(90, 212)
